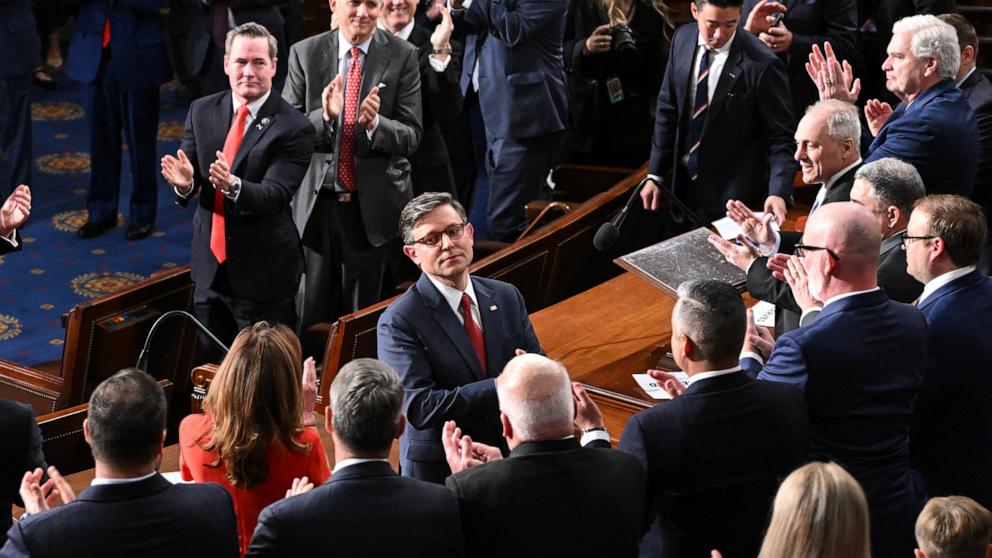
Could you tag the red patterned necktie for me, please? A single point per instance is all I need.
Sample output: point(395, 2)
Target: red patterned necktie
point(346, 160)
point(474, 332)
point(217, 234)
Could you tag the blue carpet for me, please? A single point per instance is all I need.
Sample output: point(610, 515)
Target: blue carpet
point(56, 270)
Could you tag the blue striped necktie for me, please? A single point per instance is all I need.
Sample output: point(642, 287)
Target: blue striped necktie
point(699, 107)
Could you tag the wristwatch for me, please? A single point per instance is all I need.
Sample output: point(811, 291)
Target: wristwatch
point(446, 49)
point(234, 189)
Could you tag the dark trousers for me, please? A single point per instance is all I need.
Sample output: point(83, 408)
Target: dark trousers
point(110, 111)
point(518, 170)
point(344, 273)
point(225, 315)
point(15, 133)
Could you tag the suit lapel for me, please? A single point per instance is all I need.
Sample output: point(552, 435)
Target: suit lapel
point(492, 327)
point(376, 62)
point(449, 324)
point(222, 115)
point(265, 120)
point(683, 68)
point(731, 71)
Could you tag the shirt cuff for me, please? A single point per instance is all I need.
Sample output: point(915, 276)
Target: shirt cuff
point(655, 177)
point(370, 133)
point(185, 196)
point(752, 355)
point(11, 239)
point(589, 437)
point(775, 248)
point(437, 65)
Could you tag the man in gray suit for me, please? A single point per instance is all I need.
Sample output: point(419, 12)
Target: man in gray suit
point(360, 87)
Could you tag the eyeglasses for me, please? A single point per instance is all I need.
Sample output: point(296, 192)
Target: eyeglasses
point(802, 249)
point(433, 239)
point(906, 239)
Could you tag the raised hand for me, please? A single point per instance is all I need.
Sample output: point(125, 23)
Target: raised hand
point(178, 171)
point(776, 206)
point(667, 382)
point(795, 275)
point(757, 339)
point(833, 79)
point(587, 413)
point(40, 497)
point(220, 173)
point(300, 486)
point(332, 99)
point(740, 253)
point(309, 391)
point(368, 112)
point(442, 33)
point(778, 38)
point(759, 19)
point(758, 229)
point(877, 113)
point(15, 210)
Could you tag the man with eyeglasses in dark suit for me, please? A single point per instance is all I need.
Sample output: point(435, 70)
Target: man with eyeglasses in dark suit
point(449, 336)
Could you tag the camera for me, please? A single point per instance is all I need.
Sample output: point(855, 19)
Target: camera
point(623, 38)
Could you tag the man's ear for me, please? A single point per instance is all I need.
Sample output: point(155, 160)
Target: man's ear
point(893, 214)
point(86, 430)
point(919, 553)
point(507, 427)
point(411, 252)
point(400, 425)
point(328, 420)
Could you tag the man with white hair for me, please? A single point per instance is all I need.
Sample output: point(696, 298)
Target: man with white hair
point(550, 497)
point(933, 128)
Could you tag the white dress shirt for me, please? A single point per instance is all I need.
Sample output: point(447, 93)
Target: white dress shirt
point(454, 299)
point(941, 280)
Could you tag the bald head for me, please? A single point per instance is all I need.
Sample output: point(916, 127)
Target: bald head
point(535, 396)
point(850, 232)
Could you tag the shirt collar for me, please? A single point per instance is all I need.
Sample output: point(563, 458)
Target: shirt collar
point(722, 50)
point(453, 296)
point(712, 374)
point(965, 78)
point(842, 296)
point(941, 280)
point(254, 106)
point(402, 33)
point(344, 46)
point(100, 481)
point(355, 461)
point(830, 181)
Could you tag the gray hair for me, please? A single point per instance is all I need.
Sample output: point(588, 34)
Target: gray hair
point(127, 418)
point(712, 314)
point(932, 38)
point(843, 121)
point(893, 182)
point(422, 205)
point(366, 401)
point(540, 400)
point(254, 31)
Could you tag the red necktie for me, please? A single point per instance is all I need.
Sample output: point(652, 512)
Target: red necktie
point(106, 32)
point(217, 243)
point(346, 160)
point(474, 332)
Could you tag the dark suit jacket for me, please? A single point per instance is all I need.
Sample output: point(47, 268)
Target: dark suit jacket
point(149, 518)
point(521, 72)
point(382, 165)
point(897, 283)
point(264, 259)
point(365, 509)
point(552, 499)
point(937, 134)
point(18, 38)
point(21, 443)
point(764, 286)
point(441, 100)
point(714, 457)
point(747, 145)
point(861, 365)
point(951, 439)
point(421, 338)
point(6, 248)
point(977, 91)
point(813, 22)
point(200, 27)
point(138, 59)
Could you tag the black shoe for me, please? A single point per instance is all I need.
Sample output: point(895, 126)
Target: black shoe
point(90, 229)
point(137, 232)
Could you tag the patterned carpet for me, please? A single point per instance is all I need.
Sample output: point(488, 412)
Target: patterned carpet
point(56, 270)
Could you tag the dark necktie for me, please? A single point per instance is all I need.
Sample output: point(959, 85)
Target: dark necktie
point(346, 161)
point(474, 332)
point(699, 106)
point(218, 245)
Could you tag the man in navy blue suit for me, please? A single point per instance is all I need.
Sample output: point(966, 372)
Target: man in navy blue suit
point(724, 124)
point(860, 364)
point(20, 48)
point(129, 509)
point(715, 454)
point(448, 336)
point(513, 58)
point(364, 498)
point(951, 439)
point(117, 52)
point(933, 128)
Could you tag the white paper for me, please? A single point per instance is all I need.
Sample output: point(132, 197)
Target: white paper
point(648, 384)
point(175, 477)
point(764, 314)
point(728, 228)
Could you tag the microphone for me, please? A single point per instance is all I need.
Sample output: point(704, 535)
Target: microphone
point(609, 231)
point(143, 356)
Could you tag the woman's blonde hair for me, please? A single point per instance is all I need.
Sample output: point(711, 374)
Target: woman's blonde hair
point(254, 401)
point(820, 512)
point(615, 13)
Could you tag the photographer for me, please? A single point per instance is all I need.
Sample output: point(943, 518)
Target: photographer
point(615, 53)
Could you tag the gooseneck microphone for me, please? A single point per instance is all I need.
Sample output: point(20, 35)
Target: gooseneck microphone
point(609, 231)
point(143, 356)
